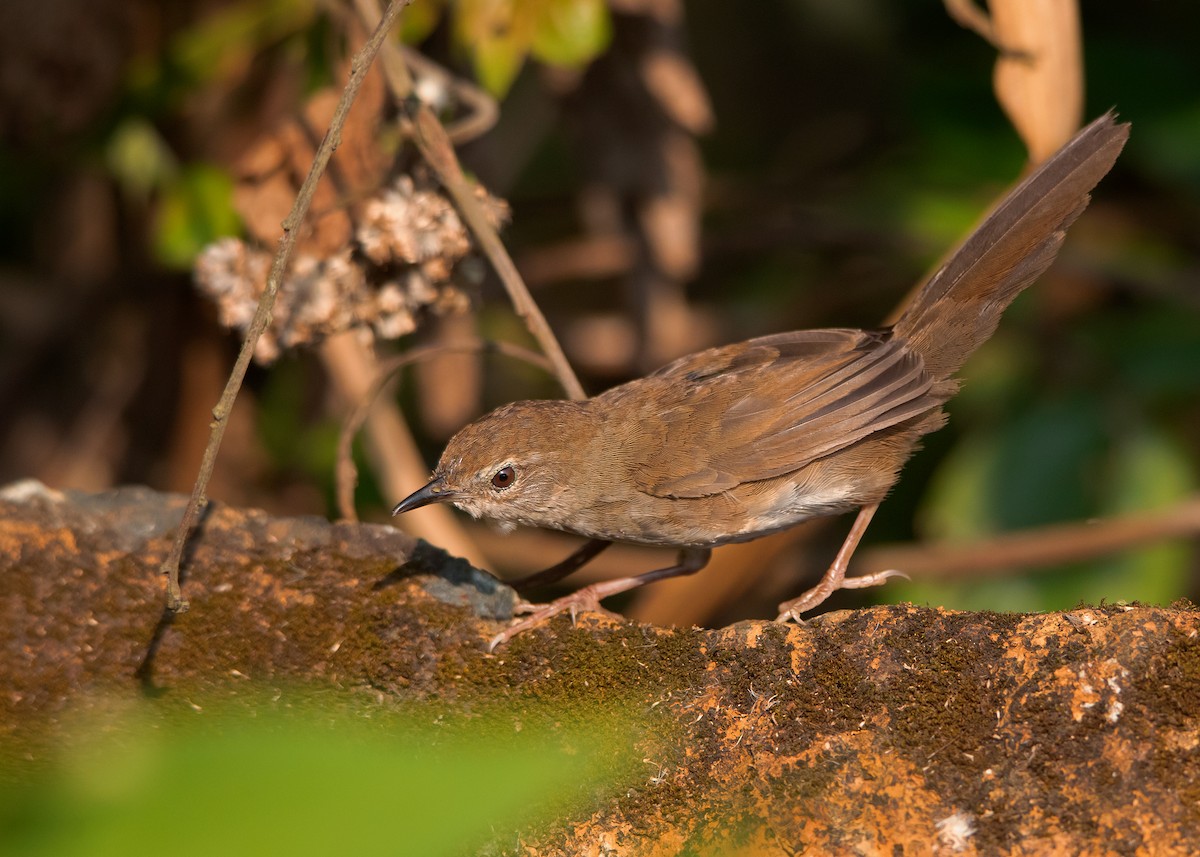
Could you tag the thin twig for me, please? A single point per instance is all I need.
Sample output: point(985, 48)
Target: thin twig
point(439, 154)
point(437, 150)
point(391, 60)
point(1045, 546)
point(346, 471)
point(262, 317)
point(396, 460)
point(482, 110)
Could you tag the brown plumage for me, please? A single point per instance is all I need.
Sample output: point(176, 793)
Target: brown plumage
point(736, 442)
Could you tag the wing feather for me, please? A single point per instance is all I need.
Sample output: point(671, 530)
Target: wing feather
point(769, 406)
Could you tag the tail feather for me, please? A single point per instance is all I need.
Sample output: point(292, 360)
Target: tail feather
point(960, 305)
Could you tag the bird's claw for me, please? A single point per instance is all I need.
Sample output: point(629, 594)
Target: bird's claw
point(877, 579)
point(583, 601)
point(790, 615)
point(789, 611)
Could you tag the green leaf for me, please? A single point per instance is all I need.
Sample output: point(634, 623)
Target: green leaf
point(571, 32)
point(497, 62)
point(194, 211)
point(272, 782)
point(419, 19)
point(139, 159)
point(498, 34)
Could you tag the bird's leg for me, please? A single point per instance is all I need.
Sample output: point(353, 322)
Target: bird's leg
point(581, 557)
point(690, 561)
point(835, 577)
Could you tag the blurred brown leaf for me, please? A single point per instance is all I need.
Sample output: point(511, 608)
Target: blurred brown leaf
point(1040, 86)
point(1039, 73)
point(270, 174)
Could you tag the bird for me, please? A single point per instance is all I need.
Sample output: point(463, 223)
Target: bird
point(740, 441)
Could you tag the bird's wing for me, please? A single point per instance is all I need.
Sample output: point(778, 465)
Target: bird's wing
point(769, 406)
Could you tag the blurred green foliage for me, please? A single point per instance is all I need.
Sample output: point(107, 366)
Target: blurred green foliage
point(223, 44)
point(194, 201)
point(195, 208)
point(499, 35)
point(317, 778)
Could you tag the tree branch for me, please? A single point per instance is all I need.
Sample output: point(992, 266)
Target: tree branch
point(359, 66)
point(1045, 546)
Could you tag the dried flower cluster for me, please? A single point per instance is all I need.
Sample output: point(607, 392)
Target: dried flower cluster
point(410, 253)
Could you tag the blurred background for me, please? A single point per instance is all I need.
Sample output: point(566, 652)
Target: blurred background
point(676, 176)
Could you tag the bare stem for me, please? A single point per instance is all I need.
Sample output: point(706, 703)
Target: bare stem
point(1041, 547)
point(358, 70)
point(347, 473)
point(438, 151)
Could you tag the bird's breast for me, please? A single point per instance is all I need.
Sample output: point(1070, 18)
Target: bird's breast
point(740, 514)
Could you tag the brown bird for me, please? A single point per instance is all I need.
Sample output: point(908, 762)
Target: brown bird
point(734, 443)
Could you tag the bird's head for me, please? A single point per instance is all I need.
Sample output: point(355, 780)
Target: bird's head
point(513, 466)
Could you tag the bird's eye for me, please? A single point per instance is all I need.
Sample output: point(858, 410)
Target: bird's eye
point(504, 477)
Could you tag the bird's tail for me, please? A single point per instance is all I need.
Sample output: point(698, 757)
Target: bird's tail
point(960, 305)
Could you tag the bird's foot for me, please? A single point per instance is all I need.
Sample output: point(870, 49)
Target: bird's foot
point(585, 600)
point(789, 611)
point(690, 561)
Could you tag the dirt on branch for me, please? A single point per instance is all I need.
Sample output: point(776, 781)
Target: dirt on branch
point(888, 730)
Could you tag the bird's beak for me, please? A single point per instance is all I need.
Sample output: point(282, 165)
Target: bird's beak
point(434, 492)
